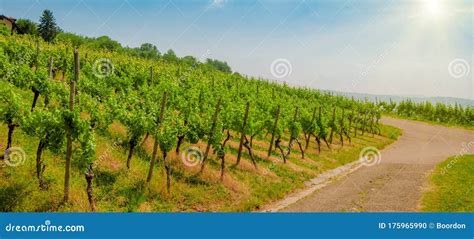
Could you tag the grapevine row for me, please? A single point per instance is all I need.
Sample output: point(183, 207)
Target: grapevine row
point(73, 99)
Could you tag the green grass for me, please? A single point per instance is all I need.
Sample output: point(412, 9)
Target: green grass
point(451, 186)
point(119, 190)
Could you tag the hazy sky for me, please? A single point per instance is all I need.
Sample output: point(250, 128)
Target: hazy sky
point(402, 47)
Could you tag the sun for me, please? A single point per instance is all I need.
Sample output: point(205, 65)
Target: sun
point(432, 8)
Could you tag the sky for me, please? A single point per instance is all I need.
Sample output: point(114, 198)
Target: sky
point(392, 47)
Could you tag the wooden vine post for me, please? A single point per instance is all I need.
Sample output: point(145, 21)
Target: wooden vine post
point(242, 132)
point(50, 76)
point(363, 123)
point(341, 130)
point(148, 133)
point(290, 144)
point(69, 130)
point(308, 137)
point(372, 124)
point(351, 117)
point(332, 124)
point(348, 132)
point(211, 134)
point(356, 122)
point(273, 131)
point(155, 145)
point(50, 70)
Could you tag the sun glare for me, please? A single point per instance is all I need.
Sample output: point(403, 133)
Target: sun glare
point(432, 8)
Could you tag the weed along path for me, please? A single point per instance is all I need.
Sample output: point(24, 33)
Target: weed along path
point(395, 183)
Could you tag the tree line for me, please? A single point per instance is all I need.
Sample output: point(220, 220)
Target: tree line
point(49, 31)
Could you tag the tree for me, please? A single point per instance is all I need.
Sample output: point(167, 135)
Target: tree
point(170, 56)
point(48, 29)
point(26, 26)
point(190, 60)
point(4, 30)
point(219, 65)
point(71, 38)
point(148, 51)
point(105, 42)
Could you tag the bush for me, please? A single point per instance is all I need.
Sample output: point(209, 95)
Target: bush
point(4, 31)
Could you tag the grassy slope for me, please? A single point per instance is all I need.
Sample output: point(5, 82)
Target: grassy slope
point(116, 189)
point(452, 188)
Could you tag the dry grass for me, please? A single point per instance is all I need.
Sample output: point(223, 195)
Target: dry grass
point(117, 189)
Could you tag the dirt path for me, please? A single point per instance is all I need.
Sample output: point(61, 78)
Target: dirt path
point(396, 183)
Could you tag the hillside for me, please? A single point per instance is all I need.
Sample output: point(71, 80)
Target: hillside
point(154, 135)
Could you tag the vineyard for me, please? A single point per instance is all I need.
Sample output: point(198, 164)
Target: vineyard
point(90, 130)
point(439, 113)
